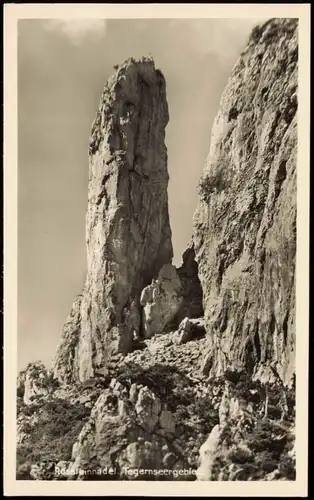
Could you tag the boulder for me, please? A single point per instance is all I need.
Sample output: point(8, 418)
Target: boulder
point(191, 329)
point(161, 301)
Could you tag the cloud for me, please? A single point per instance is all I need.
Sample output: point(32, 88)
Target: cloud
point(78, 29)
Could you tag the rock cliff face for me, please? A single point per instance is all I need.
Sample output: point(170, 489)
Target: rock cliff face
point(192, 293)
point(127, 224)
point(245, 223)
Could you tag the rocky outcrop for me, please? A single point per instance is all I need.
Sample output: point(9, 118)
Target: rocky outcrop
point(216, 447)
point(161, 301)
point(245, 223)
point(33, 382)
point(175, 295)
point(253, 440)
point(128, 430)
point(128, 233)
point(131, 389)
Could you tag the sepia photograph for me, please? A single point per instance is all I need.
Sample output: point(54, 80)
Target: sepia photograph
point(158, 187)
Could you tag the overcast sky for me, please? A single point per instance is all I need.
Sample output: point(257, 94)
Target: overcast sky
point(62, 68)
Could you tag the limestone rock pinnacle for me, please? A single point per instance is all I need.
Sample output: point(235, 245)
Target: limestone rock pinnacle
point(128, 233)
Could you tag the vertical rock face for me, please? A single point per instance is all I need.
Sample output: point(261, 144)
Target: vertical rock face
point(128, 233)
point(245, 223)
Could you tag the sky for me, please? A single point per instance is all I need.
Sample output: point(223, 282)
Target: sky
point(62, 68)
